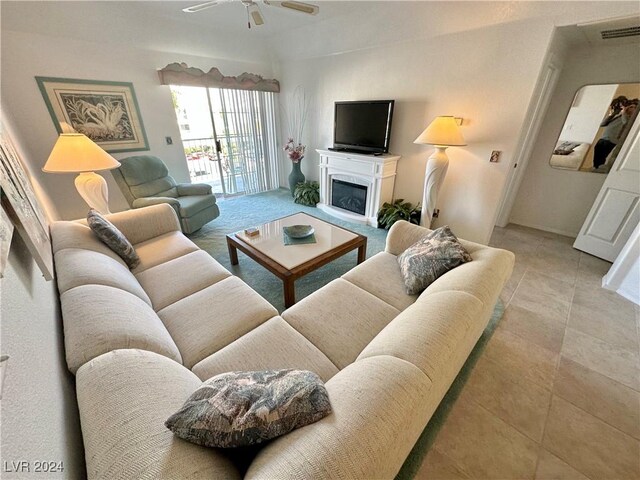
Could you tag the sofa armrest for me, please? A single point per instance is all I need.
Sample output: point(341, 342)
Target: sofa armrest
point(380, 407)
point(145, 223)
point(402, 235)
point(193, 189)
point(129, 394)
point(148, 201)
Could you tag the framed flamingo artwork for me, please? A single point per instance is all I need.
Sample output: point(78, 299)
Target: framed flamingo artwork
point(106, 112)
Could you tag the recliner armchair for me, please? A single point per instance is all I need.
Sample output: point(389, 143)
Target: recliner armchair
point(144, 180)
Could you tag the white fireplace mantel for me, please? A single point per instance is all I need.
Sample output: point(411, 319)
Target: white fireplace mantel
point(377, 173)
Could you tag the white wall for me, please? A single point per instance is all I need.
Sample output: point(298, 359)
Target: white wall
point(38, 407)
point(39, 410)
point(557, 200)
point(26, 55)
point(583, 120)
point(489, 87)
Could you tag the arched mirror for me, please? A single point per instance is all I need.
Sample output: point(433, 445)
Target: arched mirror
point(596, 126)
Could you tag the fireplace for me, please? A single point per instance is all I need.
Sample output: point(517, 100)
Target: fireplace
point(349, 196)
point(353, 186)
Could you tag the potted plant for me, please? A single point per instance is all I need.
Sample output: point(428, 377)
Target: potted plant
point(307, 193)
point(390, 213)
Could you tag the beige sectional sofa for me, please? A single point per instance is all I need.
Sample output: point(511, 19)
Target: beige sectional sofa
point(140, 342)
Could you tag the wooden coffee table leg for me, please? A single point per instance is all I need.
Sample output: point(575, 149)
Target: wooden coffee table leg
point(362, 252)
point(233, 253)
point(289, 292)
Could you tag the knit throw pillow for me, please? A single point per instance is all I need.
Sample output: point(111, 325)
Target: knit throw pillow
point(237, 409)
point(113, 238)
point(430, 257)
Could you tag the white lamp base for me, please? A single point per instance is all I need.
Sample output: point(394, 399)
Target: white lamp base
point(93, 189)
point(436, 169)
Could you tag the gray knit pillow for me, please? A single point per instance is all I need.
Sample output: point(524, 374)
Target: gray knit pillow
point(433, 255)
point(113, 238)
point(237, 409)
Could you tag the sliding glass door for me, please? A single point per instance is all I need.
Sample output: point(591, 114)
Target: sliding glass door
point(229, 138)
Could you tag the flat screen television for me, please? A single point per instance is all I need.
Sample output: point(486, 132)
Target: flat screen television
point(363, 126)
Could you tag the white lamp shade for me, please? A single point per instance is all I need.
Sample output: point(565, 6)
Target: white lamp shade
point(442, 131)
point(74, 153)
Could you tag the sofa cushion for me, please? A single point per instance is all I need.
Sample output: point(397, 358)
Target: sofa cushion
point(211, 319)
point(380, 276)
point(380, 406)
point(75, 267)
point(162, 249)
point(428, 333)
point(237, 409)
point(112, 238)
point(124, 397)
point(178, 278)
point(340, 319)
point(429, 258)
point(273, 345)
point(193, 204)
point(98, 319)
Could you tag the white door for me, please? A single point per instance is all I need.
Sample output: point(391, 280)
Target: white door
point(616, 211)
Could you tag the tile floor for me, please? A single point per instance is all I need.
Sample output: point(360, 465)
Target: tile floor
point(556, 393)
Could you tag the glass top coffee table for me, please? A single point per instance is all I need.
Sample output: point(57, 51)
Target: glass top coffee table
point(290, 262)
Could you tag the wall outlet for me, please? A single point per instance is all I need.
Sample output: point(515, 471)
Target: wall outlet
point(169, 140)
point(495, 156)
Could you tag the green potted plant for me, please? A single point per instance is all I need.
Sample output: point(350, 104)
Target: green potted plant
point(307, 193)
point(390, 213)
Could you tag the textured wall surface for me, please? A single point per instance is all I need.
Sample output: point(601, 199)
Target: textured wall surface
point(39, 411)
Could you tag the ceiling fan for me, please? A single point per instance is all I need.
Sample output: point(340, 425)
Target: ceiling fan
point(253, 11)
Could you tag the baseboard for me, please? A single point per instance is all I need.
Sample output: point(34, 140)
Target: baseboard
point(564, 233)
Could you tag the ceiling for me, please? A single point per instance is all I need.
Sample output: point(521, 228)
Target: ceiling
point(221, 31)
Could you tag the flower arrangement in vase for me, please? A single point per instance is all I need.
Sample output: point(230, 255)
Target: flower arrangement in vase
point(296, 117)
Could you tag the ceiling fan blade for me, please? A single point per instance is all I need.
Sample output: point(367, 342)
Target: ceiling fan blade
point(256, 16)
point(201, 6)
point(296, 6)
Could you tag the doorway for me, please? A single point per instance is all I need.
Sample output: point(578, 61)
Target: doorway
point(558, 199)
point(229, 138)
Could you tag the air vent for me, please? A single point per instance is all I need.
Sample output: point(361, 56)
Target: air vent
point(620, 32)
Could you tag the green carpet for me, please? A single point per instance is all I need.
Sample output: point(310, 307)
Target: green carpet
point(252, 210)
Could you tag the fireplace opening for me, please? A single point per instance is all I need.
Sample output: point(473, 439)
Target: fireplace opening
point(349, 196)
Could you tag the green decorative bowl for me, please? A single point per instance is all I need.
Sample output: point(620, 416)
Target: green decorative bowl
point(298, 231)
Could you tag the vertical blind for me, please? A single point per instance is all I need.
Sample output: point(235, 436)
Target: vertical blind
point(249, 136)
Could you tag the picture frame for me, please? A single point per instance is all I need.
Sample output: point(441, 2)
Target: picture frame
point(6, 233)
point(106, 112)
point(21, 205)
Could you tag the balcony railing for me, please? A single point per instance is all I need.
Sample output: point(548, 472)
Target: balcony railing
point(203, 162)
point(225, 175)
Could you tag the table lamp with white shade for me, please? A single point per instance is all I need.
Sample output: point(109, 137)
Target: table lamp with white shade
point(443, 132)
point(76, 153)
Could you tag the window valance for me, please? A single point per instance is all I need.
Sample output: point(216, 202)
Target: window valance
point(183, 75)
